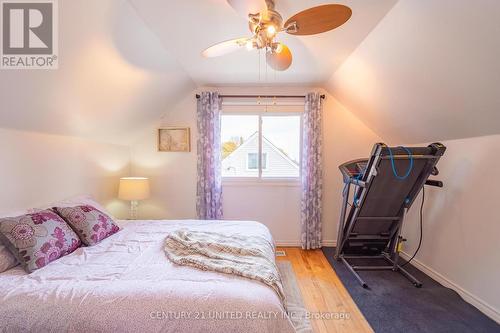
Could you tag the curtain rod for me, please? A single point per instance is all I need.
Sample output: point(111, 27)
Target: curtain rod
point(262, 96)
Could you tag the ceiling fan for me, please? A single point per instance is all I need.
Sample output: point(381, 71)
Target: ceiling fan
point(266, 23)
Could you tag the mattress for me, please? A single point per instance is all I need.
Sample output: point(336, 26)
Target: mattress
point(126, 284)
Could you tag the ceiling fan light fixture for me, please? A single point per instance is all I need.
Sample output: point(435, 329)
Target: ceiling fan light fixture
point(279, 61)
point(265, 23)
point(271, 30)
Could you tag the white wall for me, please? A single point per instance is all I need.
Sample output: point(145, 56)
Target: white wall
point(173, 175)
point(462, 224)
point(428, 71)
point(37, 169)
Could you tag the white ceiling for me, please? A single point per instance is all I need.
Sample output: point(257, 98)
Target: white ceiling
point(124, 63)
point(186, 28)
point(429, 71)
point(115, 78)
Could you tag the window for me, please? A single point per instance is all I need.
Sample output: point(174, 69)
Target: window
point(261, 145)
point(253, 161)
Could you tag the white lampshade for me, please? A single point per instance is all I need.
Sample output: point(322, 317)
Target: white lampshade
point(133, 188)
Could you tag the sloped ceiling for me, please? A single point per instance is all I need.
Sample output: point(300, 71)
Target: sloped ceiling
point(115, 77)
point(413, 71)
point(429, 71)
point(188, 27)
point(123, 63)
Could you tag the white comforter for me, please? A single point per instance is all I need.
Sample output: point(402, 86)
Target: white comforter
point(126, 284)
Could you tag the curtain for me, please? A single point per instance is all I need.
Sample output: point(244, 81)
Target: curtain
point(209, 188)
point(312, 173)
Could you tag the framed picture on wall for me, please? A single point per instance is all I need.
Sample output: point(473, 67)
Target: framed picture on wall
point(174, 139)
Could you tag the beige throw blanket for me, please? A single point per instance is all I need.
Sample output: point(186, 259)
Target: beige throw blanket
point(251, 257)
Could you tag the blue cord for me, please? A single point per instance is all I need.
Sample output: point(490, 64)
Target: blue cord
point(357, 178)
point(394, 171)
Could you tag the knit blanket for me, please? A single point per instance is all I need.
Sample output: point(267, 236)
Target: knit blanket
point(251, 257)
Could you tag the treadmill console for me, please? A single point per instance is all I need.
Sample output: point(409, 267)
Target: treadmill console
point(353, 169)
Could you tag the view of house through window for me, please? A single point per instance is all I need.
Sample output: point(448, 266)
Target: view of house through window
point(279, 138)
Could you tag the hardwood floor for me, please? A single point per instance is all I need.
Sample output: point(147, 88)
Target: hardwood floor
point(323, 293)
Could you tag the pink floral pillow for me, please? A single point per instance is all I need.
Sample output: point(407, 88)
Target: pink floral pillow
point(37, 239)
point(91, 225)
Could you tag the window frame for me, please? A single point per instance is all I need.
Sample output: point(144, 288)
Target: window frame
point(259, 180)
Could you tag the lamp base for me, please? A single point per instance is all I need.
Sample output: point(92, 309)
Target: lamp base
point(134, 205)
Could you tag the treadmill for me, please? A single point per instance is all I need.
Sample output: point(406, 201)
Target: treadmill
point(384, 187)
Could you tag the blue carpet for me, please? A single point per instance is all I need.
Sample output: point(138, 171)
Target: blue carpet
point(393, 304)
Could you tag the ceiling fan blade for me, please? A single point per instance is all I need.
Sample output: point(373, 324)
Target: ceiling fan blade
point(318, 19)
point(281, 60)
point(245, 7)
point(226, 47)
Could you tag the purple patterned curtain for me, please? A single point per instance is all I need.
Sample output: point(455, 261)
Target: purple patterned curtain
point(209, 190)
point(312, 173)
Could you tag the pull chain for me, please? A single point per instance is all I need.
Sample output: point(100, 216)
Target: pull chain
point(258, 97)
point(259, 65)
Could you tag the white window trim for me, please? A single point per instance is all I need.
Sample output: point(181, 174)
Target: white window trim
point(266, 181)
point(254, 181)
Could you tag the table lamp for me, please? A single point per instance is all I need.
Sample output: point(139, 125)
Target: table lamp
point(133, 189)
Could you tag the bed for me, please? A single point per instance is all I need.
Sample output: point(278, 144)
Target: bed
point(126, 284)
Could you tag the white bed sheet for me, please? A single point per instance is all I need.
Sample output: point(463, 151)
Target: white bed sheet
point(126, 284)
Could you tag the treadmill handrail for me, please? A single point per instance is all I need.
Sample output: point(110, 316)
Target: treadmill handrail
point(357, 182)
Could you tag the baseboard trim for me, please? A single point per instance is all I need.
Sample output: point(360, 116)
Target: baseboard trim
point(466, 295)
point(296, 243)
point(287, 243)
point(329, 243)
